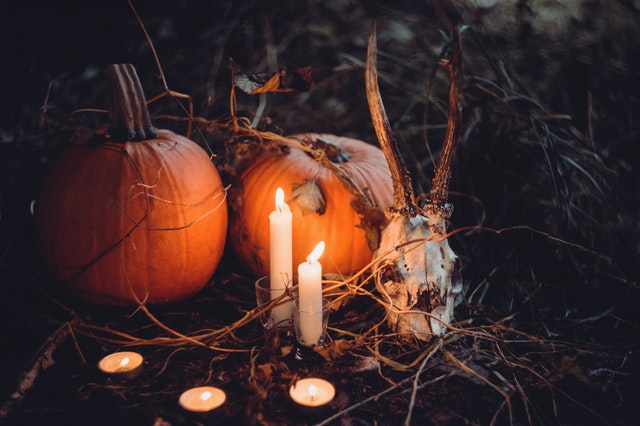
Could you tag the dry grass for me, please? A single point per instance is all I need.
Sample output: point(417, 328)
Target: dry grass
point(546, 190)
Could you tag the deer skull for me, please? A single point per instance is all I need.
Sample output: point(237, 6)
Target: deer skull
point(416, 271)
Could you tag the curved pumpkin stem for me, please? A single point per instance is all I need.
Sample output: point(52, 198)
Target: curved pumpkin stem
point(403, 200)
point(130, 120)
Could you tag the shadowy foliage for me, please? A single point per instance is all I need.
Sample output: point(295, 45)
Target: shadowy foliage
point(545, 187)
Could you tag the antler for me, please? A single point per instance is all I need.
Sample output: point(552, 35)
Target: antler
point(403, 199)
point(402, 187)
point(421, 282)
point(440, 186)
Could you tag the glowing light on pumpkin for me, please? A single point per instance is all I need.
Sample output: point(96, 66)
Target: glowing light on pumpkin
point(344, 210)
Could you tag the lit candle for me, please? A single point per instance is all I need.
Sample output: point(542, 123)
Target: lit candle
point(310, 297)
point(312, 392)
point(280, 256)
point(122, 365)
point(202, 399)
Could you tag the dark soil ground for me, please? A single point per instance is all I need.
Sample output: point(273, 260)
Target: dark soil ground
point(545, 186)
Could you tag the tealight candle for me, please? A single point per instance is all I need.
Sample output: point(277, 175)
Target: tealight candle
point(202, 399)
point(122, 365)
point(310, 297)
point(280, 256)
point(312, 392)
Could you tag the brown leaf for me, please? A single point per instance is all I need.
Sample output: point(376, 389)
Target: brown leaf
point(308, 197)
point(334, 350)
point(286, 350)
point(571, 366)
point(266, 369)
point(373, 221)
point(280, 81)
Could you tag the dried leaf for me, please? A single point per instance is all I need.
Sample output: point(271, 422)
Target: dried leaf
point(571, 366)
point(334, 152)
point(308, 197)
point(372, 220)
point(300, 80)
point(159, 421)
point(366, 364)
point(286, 350)
point(335, 350)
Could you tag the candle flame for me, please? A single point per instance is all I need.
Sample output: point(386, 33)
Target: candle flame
point(312, 391)
point(279, 197)
point(124, 361)
point(316, 253)
point(205, 395)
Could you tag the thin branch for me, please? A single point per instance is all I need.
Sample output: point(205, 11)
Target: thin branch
point(378, 396)
point(416, 386)
point(43, 361)
point(153, 48)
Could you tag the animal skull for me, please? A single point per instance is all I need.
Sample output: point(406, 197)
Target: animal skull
point(416, 271)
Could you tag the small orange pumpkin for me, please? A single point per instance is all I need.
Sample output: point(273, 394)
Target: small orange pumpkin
point(337, 189)
point(142, 220)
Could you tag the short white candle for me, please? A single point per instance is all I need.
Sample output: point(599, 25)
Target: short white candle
point(122, 365)
point(202, 399)
point(310, 297)
point(280, 256)
point(312, 392)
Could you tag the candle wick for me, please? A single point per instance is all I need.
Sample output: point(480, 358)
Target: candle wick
point(312, 392)
point(123, 364)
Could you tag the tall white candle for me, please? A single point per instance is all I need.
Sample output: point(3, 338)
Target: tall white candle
point(310, 296)
point(280, 256)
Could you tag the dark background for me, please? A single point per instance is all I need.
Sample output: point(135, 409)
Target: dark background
point(549, 154)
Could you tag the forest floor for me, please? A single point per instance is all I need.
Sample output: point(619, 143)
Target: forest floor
point(545, 186)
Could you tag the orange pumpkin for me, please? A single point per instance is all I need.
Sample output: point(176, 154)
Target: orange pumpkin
point(142, 220)
point(337, 189)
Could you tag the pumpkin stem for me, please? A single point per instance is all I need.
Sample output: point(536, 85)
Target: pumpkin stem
point(130, 120)
point(440, 184)
point(403, 199)
point(332, 151)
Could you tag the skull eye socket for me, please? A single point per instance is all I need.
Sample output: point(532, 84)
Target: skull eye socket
point(390, 272)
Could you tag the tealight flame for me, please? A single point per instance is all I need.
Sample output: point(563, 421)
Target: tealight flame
point(279, 197)
point(316, 253)
point(312, 392)
point(205, 395)
point(123, 362)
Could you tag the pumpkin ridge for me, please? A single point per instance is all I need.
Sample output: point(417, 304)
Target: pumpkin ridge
point(345, 170)
point(343, 185)
point(127, 222)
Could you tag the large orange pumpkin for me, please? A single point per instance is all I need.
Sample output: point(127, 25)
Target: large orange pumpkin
point(337, 189)
point(141, 217)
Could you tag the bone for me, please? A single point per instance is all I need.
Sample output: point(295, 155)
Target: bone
point(403, 200)
point(417, 272)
